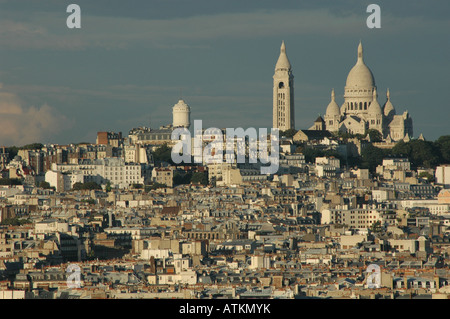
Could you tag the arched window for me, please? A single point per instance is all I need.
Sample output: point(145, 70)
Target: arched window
point(360, 105)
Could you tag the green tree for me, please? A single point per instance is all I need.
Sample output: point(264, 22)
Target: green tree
point(420, 153)
point(163, 154)
point(12, 151)
point(427, 176)
point(182, 178)
point(200, 178)
point(78, 186)
point(86, 186)
point(10, 181)
point(311, 153)
point(344, 135)
point(33, 146)
point(288, 133)
point(92, 185)
point(44, 185)
point(154, 186)
point(375, 135)
point(443, 144)
point(372, 156)
point(15, 221)
point(376, 227)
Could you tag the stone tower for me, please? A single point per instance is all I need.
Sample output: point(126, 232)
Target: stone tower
point(181, 115)
point(283, 93)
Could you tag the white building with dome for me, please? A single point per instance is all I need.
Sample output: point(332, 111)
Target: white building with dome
point(361, 110)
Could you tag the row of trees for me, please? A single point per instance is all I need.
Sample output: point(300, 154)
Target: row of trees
point(374, 135)
point(10, 181)
point(13, 150)
point(311, 153)
point(189, 177)
point(164, 154)
point(15, 221)
point(86, 186)
point(420, 153)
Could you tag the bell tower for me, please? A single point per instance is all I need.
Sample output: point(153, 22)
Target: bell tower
point(283, 93)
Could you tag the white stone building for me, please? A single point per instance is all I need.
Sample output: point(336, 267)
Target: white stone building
point(113, 170)
point(354, 217)
point(443, 175)
point(136, 153)
point(361, 110)
point(63, 181)
point(51, 226)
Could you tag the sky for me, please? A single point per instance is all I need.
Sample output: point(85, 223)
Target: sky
point(131, 61)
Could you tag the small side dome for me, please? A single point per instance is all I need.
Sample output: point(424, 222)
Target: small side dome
point(333, 108)
point(374, 108)
point(388, 107)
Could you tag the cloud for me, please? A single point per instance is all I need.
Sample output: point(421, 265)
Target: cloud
point(20, 125)
point(35, 35)
point(49, 31)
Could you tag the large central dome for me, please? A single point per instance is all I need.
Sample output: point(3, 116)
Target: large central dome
point(360, 75)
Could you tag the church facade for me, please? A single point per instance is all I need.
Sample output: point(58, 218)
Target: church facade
point(361, 110)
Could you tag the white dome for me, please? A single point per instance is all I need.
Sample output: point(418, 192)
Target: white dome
point(333, 108)
point(374, 108)
point(388, 107)
point(283, 61)
point(360, 75)
point(181, 106)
